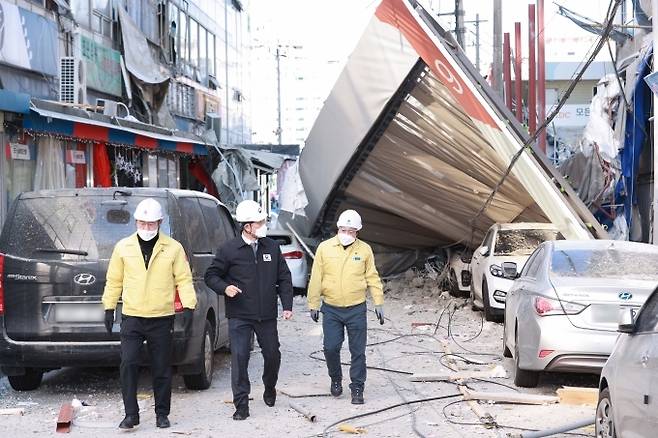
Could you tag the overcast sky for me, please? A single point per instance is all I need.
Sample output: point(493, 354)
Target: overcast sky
point(332, 27)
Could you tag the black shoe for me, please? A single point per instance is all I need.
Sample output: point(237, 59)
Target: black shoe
point(269, 396)
point(129, 422)
point(162, 422)
point(357, 397)
point(336, 388)
point(241, 414)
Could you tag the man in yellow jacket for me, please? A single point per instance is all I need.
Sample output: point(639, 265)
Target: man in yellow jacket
point(343, 269)
point(145, 271)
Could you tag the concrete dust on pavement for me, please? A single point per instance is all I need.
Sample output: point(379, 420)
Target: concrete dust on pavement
point(410, 342)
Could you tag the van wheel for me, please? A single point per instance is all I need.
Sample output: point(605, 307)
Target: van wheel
point(204, 378)
point(523, 378)
point(29, 381)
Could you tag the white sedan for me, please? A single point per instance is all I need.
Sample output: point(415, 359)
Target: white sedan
point(503, 243)
point(295, 258)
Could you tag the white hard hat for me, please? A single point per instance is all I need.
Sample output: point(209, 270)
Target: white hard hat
point(349, 219)
point(149, 210)
point(249, 211)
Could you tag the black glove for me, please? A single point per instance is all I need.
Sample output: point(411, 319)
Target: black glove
point(315, 315)
point(188, 316)
point(379, 312)
point(109, 320)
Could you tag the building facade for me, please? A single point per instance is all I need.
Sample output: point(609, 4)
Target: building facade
point(123, 92)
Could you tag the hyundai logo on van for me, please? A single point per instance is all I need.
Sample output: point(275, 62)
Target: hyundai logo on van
point(84, 279)
point(625, 296)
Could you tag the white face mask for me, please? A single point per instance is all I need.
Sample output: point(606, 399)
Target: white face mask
point(346, 239)
point(147, 234)
point(261, 232)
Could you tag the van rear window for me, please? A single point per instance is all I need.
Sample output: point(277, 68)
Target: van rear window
point(71, 227)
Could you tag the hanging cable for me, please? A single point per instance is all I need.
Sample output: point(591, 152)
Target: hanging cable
point(612, 10)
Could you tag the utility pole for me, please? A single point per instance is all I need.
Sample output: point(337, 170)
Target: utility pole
point(477, 22)
point(497, 80)
point(654, 227)
point(460, 30)
point(278, 93)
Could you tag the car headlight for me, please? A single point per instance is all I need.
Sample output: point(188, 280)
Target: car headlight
point(496, 271)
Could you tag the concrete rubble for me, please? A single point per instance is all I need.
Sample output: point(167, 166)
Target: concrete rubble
point(402, 346)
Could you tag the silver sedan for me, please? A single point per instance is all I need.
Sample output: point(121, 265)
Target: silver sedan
point(562, 312)
point(628, 389)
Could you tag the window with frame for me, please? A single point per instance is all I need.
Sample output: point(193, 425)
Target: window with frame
point(194, 43)
point(183, 52)
point(197, 234)
point(101, 18)
point(216, 230)
point(533, 264)
point(647, 321)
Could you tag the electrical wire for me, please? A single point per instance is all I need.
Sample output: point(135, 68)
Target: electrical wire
point(495, 424)
point(325, 432)
point(321, 359)
point(614, 5)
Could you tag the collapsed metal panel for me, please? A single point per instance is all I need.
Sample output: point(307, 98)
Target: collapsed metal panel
point(423, 168)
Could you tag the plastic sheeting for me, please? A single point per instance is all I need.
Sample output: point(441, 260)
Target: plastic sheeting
point(292, 197)
point(593, 169)
point(139, 60)
point(635, 135)
point(234, 176)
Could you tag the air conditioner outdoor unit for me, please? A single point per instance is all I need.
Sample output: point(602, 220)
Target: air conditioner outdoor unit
point(72, 80)
point(214, 123)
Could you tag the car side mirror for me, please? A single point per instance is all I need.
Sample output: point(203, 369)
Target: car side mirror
point(510, 270)
point(484, 251)
point(627, 321)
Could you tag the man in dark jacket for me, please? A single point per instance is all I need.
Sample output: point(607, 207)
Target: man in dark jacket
point(247, 271)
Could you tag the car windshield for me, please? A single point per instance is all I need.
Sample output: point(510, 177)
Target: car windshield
point(71, 227)
point(522, 242)
point(614, 263)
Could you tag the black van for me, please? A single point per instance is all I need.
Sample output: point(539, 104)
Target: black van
point(54, 251)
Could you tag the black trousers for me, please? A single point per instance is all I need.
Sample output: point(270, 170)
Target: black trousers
point(240, 333)
point(158, 333)
point(354, 319)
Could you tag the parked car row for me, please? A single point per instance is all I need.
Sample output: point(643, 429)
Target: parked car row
point(586, 306)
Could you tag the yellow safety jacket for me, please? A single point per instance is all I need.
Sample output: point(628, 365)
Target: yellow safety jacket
point(148, 293)
point(341, 276)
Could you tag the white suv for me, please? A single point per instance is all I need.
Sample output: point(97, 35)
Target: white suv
point(503, 243)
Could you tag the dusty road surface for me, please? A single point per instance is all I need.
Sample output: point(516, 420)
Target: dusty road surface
point(402, 346)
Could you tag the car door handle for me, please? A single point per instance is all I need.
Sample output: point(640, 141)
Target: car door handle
point(644, 360)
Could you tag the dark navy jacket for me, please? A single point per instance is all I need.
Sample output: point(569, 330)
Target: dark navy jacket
point(261, 278)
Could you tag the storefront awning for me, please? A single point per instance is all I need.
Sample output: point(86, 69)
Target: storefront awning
point(53, 122)
point(14, 102)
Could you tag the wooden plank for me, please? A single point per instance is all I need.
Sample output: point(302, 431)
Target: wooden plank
point(12, 411)
point(570, 395)
point(458, 375)
point(483, 416)
point(510, 397)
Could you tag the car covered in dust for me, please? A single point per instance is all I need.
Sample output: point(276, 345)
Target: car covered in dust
point(54, 252)
point(628, 386)
point(503, 243)
point(562, 312)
